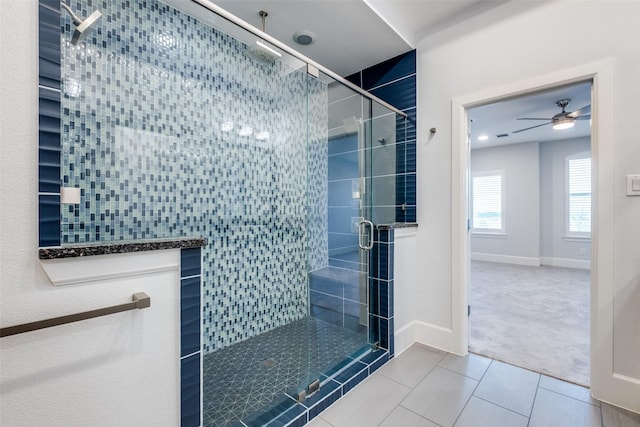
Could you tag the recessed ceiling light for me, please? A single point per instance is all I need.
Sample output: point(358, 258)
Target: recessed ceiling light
point(483, 137)
point(304, 38)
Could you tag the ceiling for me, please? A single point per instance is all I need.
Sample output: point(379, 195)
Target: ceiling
point(502, 117)
point(352, 35)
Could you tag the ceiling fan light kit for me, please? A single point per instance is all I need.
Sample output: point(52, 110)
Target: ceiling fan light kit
point(563, 123)
point(562, 120)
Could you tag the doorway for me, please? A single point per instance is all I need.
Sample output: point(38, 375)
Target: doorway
point(530, 231)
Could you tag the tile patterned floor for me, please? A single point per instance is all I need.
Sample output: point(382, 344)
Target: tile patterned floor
point(251, 377)
point(423, 387)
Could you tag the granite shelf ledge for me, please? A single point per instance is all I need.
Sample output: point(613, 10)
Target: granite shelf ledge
point(397, 225)
point(105, 248)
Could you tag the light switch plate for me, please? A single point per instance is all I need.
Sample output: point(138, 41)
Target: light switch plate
point(633, 185)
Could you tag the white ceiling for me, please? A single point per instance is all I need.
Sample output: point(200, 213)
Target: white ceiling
point(501, 117)
point(352, 35)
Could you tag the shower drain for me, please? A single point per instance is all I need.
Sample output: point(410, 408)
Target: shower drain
point(268, 363)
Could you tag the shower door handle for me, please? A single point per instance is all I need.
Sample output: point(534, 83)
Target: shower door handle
point(362, 231)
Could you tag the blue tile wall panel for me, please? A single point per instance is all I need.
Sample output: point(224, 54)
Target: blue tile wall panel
point(190, 319)
point(344, 166)
point(49, 220)
point(355, 78)
point(49, 43)
point(389, 70)
point(343, 144)
point(190, 262)
point(410, 157)
point(190, 391)
point(340, 194)
point(410, 189)
point(401, 94)
point(385, 289)
point(394, 81)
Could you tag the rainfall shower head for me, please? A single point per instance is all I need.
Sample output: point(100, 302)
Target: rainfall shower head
point(260, 51)
point(83, 28)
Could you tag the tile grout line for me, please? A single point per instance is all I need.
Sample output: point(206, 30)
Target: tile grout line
point(570, 397)
point(472, 393)
point(535, 397)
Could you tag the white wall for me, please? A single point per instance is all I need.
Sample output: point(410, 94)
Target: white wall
point(512, 43)
point(118, 370)
point(521, 241)
point(555, 248)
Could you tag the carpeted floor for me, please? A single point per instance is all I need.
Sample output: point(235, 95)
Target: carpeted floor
point(533, 317)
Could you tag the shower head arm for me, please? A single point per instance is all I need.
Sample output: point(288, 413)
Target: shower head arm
point(76, 21)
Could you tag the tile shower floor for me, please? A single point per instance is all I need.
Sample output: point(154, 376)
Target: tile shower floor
point(252, 377)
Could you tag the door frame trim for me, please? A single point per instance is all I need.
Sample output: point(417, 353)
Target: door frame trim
point(605, 384)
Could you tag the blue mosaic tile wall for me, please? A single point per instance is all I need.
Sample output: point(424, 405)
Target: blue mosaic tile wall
point(169, 129)
point(394, 81)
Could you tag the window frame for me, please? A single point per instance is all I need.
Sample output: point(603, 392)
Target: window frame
point(489, 232)
point(569, 234)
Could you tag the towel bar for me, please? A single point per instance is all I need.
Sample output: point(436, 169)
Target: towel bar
point(140, 300)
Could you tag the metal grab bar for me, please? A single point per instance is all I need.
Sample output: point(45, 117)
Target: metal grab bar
point(140, 300)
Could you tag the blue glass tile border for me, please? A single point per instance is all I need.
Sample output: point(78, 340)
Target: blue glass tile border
point(190, 337)
point(49, 123)
point(190, 394)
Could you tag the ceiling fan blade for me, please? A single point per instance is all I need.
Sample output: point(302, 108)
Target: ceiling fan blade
point(532, 118)
point(581, 112)
point(532, 127)
point(585, 117)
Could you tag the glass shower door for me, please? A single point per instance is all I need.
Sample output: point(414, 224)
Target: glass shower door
point(338, 277)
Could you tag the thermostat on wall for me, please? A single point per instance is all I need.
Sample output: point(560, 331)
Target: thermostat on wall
point(633, 185)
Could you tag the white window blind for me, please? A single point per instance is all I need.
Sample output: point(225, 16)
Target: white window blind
point(579, 203)
point(487, 202)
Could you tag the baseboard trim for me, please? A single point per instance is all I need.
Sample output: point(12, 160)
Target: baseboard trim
point(505, 259)
point(566, 262)
point(428, 334)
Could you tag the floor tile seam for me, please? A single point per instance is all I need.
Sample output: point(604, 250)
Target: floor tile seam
point(460, 373)
point(486, 370)
point(569, 397)
point(410, 410)
point(535, 397)
point(422, 416)
point(473, 394)
point(409, 387)
point(377, 372)
point(502, 407)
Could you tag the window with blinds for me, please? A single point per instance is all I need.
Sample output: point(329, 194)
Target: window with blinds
point(579, 196)
point(487, 202)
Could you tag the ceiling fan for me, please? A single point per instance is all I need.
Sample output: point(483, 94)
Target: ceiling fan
point(562, 120)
